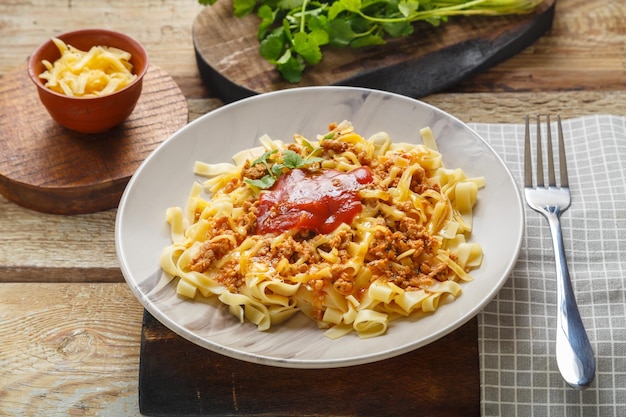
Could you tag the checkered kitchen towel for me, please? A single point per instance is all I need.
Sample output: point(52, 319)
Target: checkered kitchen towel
point(519, 374)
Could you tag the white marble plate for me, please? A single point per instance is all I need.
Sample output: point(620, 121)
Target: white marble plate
point(165, 177)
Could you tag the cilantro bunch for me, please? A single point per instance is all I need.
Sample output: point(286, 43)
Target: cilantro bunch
point(293, 32)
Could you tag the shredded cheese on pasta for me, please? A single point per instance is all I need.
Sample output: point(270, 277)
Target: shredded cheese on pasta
point(406, 249)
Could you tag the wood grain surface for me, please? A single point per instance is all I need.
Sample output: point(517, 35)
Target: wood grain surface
point(46, 167)
point(67, 263)
point(428, 61)
point(200, 382)
point(69, 349)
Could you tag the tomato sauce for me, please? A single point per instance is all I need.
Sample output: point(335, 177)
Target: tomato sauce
point(319, 202)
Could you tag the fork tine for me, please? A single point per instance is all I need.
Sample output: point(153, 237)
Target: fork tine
point(551, 175)
point(562, 160)
point(540, 182)
point(528, 168)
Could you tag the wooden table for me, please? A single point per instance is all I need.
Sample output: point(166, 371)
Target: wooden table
point(70, 328)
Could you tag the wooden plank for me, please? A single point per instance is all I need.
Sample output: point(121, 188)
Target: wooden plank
point(44, 247)
point(426, 62)
point(69, 349)
point(177, 377)
point(31, 274)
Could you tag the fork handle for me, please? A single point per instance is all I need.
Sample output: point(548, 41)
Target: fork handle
point(574, 355)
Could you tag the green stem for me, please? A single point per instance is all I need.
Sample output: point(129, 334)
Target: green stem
point(493, 7)
point(302, 19)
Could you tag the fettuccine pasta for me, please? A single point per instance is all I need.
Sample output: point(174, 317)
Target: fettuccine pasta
point(354, 232)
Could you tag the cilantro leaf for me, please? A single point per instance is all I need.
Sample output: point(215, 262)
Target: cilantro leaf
point(291, 68)
point(335, 9)
point(318, 25)
point(398, 29)
point(292, 159)
point(353, 6)
point(243, 7)
point(272, 46)
point(341, 33)
point(268, 17)
point(277, 169)
point(263, 183)
point(408, 7)
point(307, 47)
point(320, 37)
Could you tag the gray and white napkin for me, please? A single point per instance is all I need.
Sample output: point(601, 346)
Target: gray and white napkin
point(519, 374)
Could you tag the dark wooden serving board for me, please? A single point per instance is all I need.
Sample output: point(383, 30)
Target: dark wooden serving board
point(179, 378)
point(430, 60)
point(48, 168)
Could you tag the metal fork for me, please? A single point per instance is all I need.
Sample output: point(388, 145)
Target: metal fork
point(574, 355)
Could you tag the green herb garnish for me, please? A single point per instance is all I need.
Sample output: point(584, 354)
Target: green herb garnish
point(290, 160)
point(293, 32)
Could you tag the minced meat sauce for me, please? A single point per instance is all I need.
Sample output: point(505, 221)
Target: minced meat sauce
point(390, 240)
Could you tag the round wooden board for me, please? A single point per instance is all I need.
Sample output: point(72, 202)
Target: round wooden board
point(48, 168)
point(428, 61)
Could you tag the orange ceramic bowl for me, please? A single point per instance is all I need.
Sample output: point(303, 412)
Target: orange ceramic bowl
point(90, 114)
